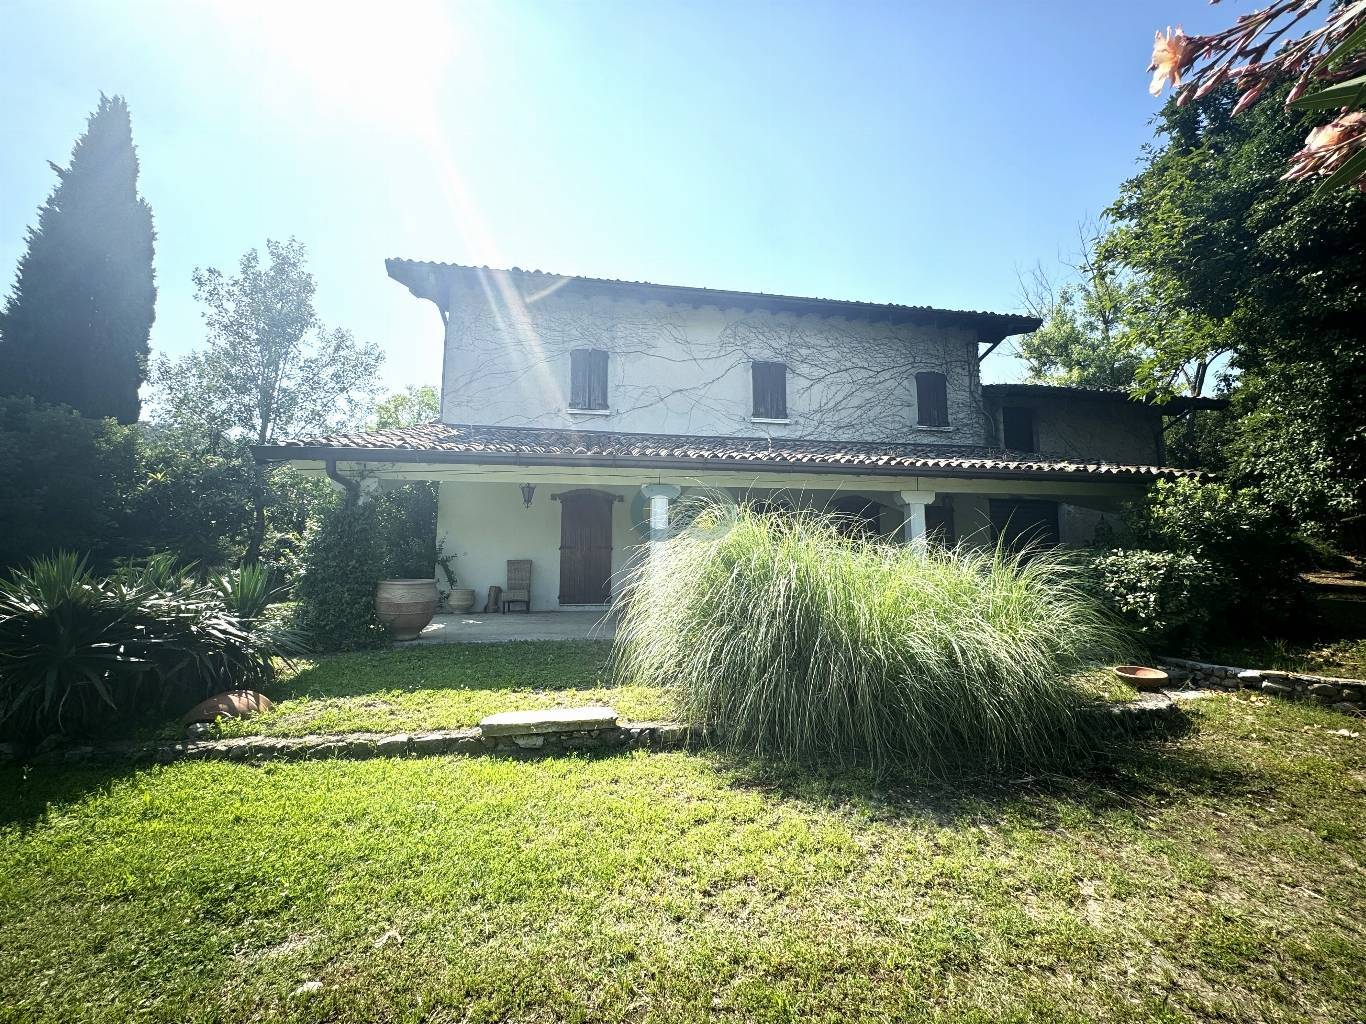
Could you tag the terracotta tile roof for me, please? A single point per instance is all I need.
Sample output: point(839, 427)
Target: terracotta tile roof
point(423, 278)
point(474, 443)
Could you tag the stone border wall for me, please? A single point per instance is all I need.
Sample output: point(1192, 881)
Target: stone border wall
point(1347, 695)
point(363, 745)
point(1151, 714)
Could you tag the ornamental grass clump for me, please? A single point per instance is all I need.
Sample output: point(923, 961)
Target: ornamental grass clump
point(784, 639)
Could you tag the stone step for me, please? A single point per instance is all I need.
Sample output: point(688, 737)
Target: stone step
point(531, 723)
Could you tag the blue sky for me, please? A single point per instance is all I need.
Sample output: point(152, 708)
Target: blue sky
point(901, 152)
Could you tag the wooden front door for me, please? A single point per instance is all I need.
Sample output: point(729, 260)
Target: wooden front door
point(585, 547)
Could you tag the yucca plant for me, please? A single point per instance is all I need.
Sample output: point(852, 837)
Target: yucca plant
point(75, 649)
point(64, 650)
point(785, 639)
point(248, 594)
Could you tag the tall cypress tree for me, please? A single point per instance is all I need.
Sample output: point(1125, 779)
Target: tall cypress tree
point(74, 330)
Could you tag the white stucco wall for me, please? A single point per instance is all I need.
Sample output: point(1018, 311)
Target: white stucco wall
point(684, 370)
point(484, 525)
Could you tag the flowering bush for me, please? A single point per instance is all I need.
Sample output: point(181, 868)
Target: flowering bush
point(1259, 50)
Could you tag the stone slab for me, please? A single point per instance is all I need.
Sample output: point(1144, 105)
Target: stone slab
point(530, 723)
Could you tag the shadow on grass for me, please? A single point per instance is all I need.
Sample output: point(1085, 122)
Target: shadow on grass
point(1136, 775)
point(31, 794)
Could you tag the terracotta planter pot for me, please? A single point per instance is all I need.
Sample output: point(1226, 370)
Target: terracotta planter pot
point(460, 600)
point(1142, 677)
point(404, 607)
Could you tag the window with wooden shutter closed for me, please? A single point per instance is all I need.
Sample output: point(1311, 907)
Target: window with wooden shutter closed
point(931, 399)
point(770, 391)
point(587, 379)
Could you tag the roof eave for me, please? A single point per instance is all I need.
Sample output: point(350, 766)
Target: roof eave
point(287, 453)
point(1171, 406)
point(424, 280)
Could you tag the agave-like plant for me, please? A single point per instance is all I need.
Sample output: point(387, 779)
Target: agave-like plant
point(248, 591)
point(75, 649)
point(248, 594)
point(64, 646)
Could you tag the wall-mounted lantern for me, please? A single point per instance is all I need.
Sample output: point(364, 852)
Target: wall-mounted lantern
point(528, 490)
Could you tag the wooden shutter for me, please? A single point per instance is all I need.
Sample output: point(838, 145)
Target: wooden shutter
point(578, 378)
point(597, 379)
point(939, 524)
point(587, 379)
point(770, 390)
point(585, 547)
point(931, 399)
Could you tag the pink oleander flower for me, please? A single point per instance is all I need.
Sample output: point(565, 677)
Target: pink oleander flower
point(1172, 54)
point(1328, 136)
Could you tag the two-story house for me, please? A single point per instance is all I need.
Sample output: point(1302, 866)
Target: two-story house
point(576, 411)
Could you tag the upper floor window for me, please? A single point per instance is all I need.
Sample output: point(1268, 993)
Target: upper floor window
point(770, 391)
point(587, 379)
point(931, 399)
point(1017, 429)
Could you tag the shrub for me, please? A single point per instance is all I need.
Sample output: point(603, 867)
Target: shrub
point(76, 649)
point(787, 640)
point(1248, 544)
point(1168, 599)
point(407, 521)
point(342, 560)
point(195, 497)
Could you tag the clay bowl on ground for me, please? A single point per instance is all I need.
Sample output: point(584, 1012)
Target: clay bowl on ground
point(1142, 677)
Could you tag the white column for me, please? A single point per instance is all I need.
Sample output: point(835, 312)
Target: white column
point(914, 502)
point(660, 495)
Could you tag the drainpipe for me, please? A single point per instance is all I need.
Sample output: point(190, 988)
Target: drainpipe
point(348, 485)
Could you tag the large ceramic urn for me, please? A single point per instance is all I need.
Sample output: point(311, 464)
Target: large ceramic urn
point(404, 607)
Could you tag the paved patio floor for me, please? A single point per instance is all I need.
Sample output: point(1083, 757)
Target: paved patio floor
point(498, 628)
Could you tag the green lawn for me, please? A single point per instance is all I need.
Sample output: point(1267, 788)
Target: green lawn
point(407, 689)
point(444, 687)
point(1214, 877)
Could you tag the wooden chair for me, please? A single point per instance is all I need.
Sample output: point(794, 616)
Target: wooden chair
point(518, 590)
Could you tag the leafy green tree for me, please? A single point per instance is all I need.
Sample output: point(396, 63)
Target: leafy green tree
point(69, 483)
point(194, 501)
point(270, 368)
point(74, 330)
point(1084, 340)
point(1247, 541)
point(1271, 273)
point(410, 407)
